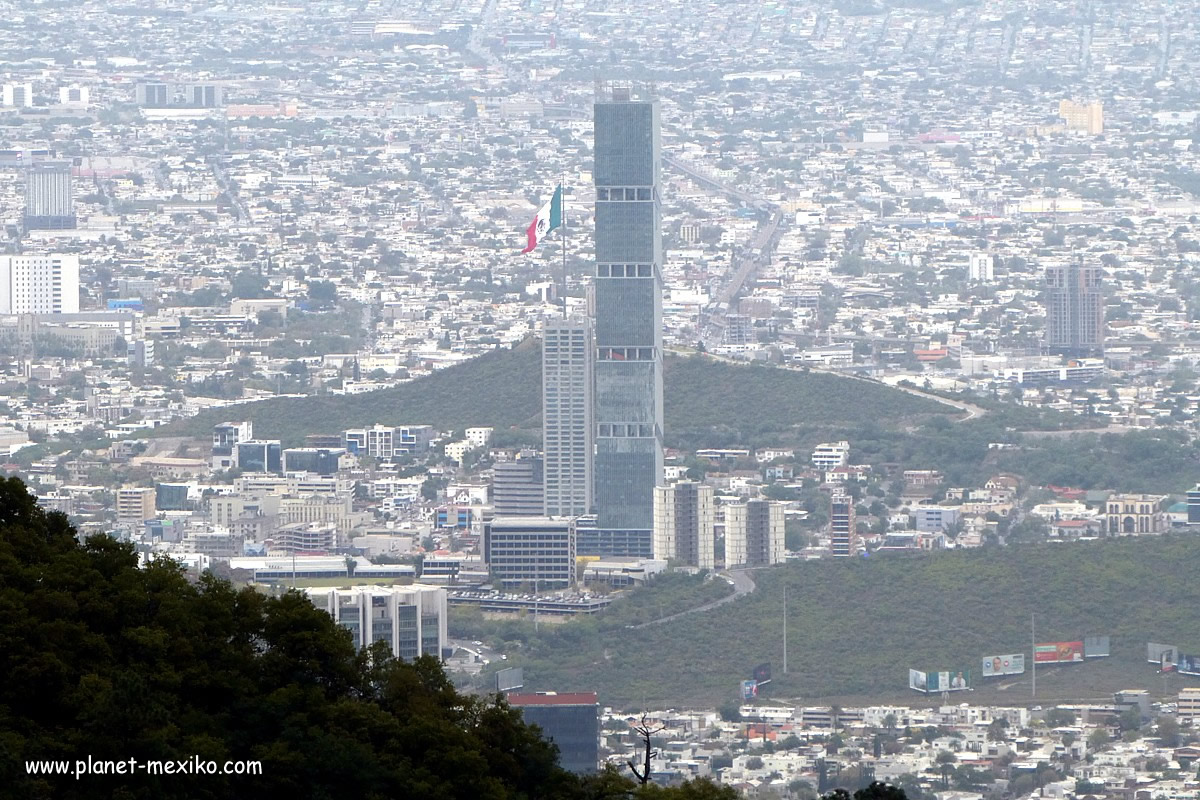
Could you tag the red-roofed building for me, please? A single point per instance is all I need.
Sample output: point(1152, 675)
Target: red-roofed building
point(571, 720)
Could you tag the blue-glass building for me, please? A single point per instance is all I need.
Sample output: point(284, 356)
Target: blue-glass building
point(628, 321)
point(570, 720)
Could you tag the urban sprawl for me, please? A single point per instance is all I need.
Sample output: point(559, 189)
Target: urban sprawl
point(228, 230)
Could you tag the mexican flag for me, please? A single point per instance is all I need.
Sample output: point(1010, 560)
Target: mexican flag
point(548, 218)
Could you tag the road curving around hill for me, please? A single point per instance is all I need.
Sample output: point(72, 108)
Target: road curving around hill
point(742, 584)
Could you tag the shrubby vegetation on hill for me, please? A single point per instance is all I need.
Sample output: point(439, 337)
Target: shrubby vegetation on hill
point(710, 402)
point(717, 404)
point(856, 627)
point(501, 389)
point(1157, 461)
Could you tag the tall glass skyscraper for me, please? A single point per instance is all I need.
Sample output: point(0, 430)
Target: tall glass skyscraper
point(628, 324)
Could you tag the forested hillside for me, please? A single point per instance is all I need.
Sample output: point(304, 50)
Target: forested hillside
point(856, 627)
point(706, 401)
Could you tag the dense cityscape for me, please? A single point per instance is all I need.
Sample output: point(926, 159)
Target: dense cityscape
point(791, 395)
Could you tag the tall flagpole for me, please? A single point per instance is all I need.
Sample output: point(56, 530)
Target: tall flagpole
point(785, 628)
point(563, 194)
point(1033, 647)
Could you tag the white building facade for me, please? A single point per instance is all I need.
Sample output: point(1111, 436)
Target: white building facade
point(411, 619)
point(39, 284)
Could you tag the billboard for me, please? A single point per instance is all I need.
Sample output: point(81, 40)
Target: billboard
point(749, 690)
point(1004, 665)
point(1189, 664)
point(1156, 651)
point(1058, 652)
point(1096, 647)
point(931, 682)
point(509, 679)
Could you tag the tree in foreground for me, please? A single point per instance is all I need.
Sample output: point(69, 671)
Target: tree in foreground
point(104, 659)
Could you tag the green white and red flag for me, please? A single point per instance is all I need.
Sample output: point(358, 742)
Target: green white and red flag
point(549, 217)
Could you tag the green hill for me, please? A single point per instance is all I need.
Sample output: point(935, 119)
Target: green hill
point(856, 627)
point(718, 402)
point(712, 403)
point(501, 389)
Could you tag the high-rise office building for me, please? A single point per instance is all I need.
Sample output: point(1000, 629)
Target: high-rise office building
point(1074, 310)
point(317, 460)
point(628, 323)
point(843, 534)
point(411, 619)
point(135, 505)
point(49, 196)
point(570, 720)
point(180, 95)
point(568, 427)
point(517, 486)
point(259, 455)
point(225, 438)
point(39, 284)
point(753, 533)
point(685, 524)
point(538, 551)
point(73, 96)
point(172, 497)
point(16, 95)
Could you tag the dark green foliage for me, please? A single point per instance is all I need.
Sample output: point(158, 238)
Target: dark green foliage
point(103, 659)
point(1058, 717)
point(876, 791)
point(322, 293)
point(856, 627)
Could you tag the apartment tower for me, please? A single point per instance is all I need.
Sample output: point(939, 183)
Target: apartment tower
point(685, 524)
point(39, 284)
point(1074, 310)
point(49, 197)
point(568, 426)
point(842, 532)
point(754, 533)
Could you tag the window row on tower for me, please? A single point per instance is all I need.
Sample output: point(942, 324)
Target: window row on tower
point(620, 194)
point(624, 270)
point(626, 431)
point(625, 354)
